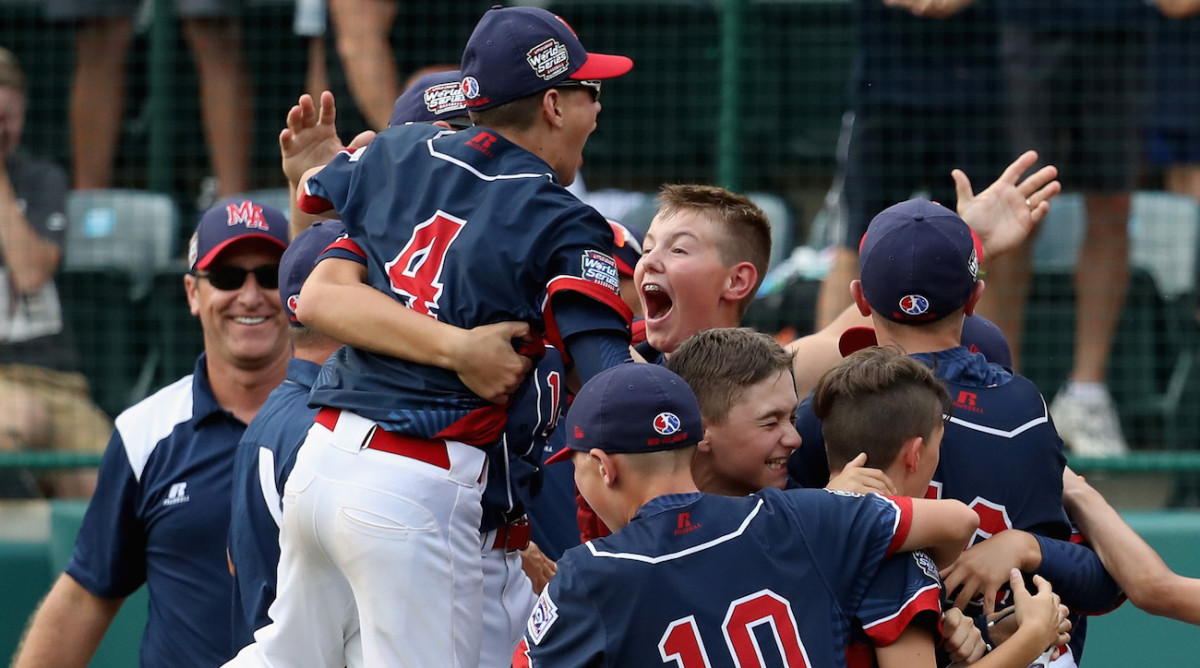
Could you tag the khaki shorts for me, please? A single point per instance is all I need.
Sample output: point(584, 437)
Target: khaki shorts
point(76, 424)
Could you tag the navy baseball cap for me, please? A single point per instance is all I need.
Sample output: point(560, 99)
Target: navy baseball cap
point(632, 408)
point(434, 97)
point(918, 262)
point(300, 258)
point(232, 222)
point(627, 247)
point(979, 335)
point(519, 51)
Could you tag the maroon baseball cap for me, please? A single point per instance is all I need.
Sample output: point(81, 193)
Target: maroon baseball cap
point(519, 51)
point(232, 222)
point(632, 408)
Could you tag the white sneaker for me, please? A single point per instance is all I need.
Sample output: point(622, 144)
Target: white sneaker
point(1089, 428)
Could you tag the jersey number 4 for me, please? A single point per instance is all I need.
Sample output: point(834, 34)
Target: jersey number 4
point(416, 272)
point(681, 642)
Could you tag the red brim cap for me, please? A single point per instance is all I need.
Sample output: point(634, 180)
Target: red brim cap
point(204, 262)
point(563, 455)
point(855, 339)
point(602, 66)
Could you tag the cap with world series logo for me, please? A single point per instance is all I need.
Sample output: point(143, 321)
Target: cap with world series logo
point(918, 261)
point(436, 96)
point(518, 51)
point(629, 409)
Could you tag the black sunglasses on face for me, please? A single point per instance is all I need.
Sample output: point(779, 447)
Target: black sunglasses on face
point(232, 278)
point(592, 85)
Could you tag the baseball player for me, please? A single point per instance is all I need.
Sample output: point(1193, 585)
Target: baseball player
point(660, 589)
point(478, 230)
point(160, 515)
point(919, 264)
point(267, 453)
point(889, 407)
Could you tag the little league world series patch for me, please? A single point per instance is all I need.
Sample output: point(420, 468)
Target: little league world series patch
point(545, 613)
point(601, 269)
point(549, 59)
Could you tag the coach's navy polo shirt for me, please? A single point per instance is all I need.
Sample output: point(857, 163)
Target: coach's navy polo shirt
point(160, 516)
point(264, 460)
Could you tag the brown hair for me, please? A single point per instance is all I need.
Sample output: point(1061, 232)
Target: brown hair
point(747, 232)
point(720, 364)
point(516, 115)
point(875, 400)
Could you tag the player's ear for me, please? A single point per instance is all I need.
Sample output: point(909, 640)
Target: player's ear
point(969, 307)
point(704, 445)
point(860, 299)
point(740, 283)
point(910, 453)
point(606, 465)
point(552, 107)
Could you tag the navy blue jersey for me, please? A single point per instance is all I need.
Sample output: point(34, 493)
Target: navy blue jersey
point(264, 460)
point(1000, 455)
point(514, 463)
point(160, 516)
point(906, 591)
point(470, 229)
point(701, 579)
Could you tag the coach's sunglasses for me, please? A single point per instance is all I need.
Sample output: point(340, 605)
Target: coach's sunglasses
point(232, 278)
point(592, 85)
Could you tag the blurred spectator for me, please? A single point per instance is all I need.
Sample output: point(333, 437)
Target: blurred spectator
point(1173, 127)
point(46, 402)
point(925, 97)
point(363, 29)
point(1073, 70)
point(309, 23)
point(103, 30)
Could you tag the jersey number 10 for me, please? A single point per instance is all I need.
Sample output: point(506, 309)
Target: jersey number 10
point(682, 644)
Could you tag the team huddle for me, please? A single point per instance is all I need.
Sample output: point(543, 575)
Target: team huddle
point(882, 492)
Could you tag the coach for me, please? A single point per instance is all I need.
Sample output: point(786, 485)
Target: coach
point(160, 515)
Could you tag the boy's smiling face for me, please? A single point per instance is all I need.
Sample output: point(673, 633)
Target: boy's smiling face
point(681, 279)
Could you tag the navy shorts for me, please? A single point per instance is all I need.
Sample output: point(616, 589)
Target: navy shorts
point(1076, 98)
point(894, 152)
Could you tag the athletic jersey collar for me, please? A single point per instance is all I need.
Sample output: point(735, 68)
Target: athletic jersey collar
point(666, 503)
point(204, 402)
point(303, 372)
point(965, 367)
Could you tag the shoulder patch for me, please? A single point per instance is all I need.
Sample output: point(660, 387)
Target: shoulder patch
point(601, 269)
point(544, 614)
point(925, 562)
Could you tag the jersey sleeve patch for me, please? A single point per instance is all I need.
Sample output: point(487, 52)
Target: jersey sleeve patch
point(544, 614)
point(601, 269)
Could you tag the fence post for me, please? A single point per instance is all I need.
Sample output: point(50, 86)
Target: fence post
point(729, 146)
point(161, 68)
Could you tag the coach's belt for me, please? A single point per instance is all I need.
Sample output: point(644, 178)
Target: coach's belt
point(430, 451)
point(513, 536)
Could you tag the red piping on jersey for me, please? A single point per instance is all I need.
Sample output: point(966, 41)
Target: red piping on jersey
point(904, 504)
point(588, 289)
point(888, 631)
point(346, 244)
